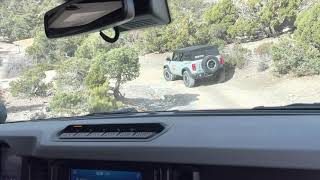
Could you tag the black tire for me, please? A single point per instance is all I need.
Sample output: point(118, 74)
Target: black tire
point(188, 80)
point(210, 64)
point(168, 76)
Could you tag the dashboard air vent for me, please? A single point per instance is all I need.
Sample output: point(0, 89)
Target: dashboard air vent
point(112, 131)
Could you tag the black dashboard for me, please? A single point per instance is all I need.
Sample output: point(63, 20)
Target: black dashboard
point(164, 146)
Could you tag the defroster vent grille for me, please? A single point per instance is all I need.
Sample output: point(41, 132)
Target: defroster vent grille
point(112, 131)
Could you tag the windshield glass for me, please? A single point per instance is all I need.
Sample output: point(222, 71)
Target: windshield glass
point(216, 54)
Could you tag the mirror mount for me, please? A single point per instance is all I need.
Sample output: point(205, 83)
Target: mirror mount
point(81, 16)
point(111, 40)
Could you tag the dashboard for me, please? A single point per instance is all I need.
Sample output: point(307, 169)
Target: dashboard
point(164, 146)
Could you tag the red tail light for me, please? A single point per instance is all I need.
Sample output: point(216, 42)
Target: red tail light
point(194, 67)
point(221, 60)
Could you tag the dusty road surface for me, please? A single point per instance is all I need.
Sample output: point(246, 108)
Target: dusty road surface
point(243, 89)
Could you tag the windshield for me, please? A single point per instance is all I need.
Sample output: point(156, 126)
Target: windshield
point(216, 54)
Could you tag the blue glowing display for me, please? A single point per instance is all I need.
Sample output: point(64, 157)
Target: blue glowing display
point(88, 174)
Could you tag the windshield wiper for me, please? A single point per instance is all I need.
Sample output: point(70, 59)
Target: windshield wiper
point(120, 111)
point(133, 111)
point(297, 106)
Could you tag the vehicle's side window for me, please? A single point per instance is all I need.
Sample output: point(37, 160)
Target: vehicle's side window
point(187, 57)
point(177, 57)
point(180, 57)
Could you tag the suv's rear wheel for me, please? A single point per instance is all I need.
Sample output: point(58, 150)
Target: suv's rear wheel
point(210, 64)
point(188, 80)
point(168, 76)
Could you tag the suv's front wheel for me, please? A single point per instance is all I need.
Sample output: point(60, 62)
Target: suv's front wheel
point(168, 76)
point(188, 80)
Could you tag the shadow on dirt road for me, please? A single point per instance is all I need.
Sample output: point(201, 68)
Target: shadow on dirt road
point(164, 104)
point(229, 73)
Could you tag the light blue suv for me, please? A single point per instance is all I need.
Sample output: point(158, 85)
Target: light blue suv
point(194, 63)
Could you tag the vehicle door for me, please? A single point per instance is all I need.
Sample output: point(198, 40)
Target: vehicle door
point(181, 63)
point(186, 61)
point(176, 63)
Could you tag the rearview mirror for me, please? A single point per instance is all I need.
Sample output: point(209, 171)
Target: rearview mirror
point(79, 16)
point(168, 59)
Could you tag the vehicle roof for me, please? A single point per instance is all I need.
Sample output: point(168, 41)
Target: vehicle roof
point(194, 48)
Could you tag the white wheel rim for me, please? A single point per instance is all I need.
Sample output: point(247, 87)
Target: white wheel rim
point(167, 75)
point(186, 79)
point(211, 64)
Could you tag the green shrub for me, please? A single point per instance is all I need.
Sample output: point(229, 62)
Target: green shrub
point(120, 64)
point(100, 100)
point(68, 102)
point(154, 40)
point(18, 19)
point(223, 12)
point(51, 51)
point(220, 17)
point(244, 27)
point(308, 26)
point(297, 58)
point(276, 14)
point(71, 74)
point(236, 56)
point(30, 83)
point(90, 46)
point(287, 56)
point(217, 31)
point(181, 33)
point(206, 34)
point(187, 21)
point(96, 76)
point(311, 64)
point(94, 100)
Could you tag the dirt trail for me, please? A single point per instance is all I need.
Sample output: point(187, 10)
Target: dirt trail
point(246, 89)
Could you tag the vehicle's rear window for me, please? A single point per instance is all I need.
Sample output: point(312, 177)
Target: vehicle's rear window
point(212, 51)
point(187, 57)
point(200, 54)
